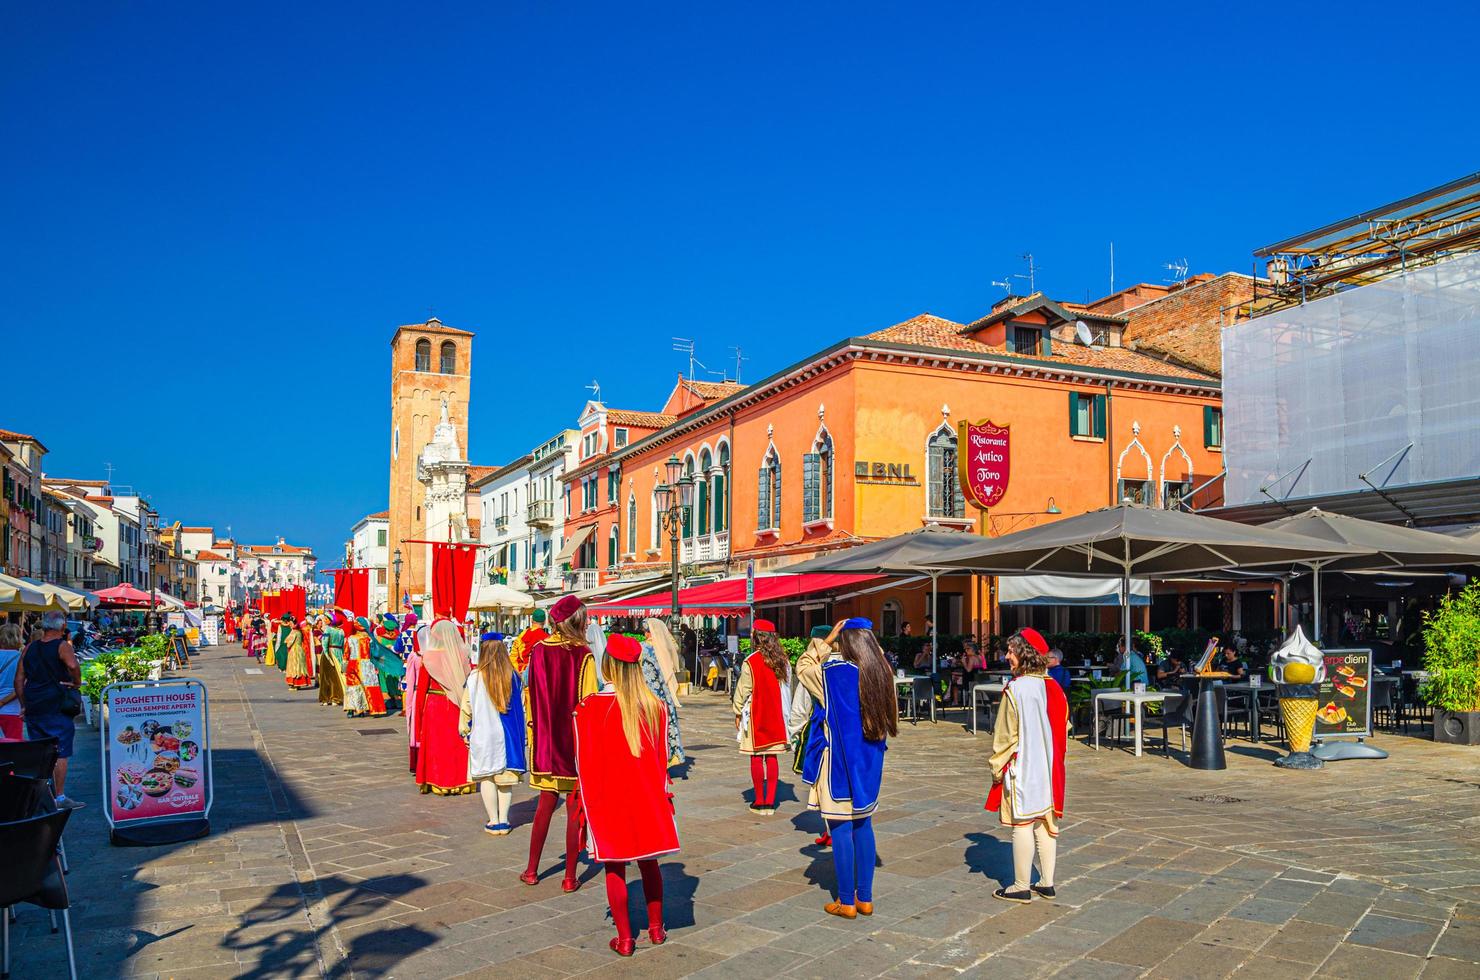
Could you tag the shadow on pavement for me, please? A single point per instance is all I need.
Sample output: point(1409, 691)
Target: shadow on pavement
point(989, 856)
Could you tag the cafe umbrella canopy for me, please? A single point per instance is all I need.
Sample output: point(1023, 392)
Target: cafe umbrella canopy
point(1131, 541)
point(1383, 546)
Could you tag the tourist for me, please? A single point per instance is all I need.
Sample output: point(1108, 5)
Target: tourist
point(441, 755)
point(1130, 666)
point(1231, 663)
point(11, 681)
point(331, 663)
point(561, 672)
point(845, 753)
point(660, 670)
point(492, 724)
point(621, 750)
point(1028, 748)
point(760, 703)
point(296, 658)
point(805, 713)
point(1057, 670)
point(526, 640)
point(47, 675)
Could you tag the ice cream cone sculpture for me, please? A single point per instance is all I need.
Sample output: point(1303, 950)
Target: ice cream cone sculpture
point(1298, 669)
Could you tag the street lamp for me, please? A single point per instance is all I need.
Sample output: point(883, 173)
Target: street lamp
point(674, 498)
point(396, 564)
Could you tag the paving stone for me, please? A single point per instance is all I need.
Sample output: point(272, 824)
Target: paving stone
point(1358, 963)
point(1148, 942)
point(1400, 935)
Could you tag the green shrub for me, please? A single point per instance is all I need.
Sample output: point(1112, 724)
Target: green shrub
point(128, 664)
point(1451, 655)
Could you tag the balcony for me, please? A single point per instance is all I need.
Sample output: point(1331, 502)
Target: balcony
point(581, 579)
point(500, 525)
point(542, 513)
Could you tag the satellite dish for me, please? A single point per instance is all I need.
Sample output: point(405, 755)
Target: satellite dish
point(1081, 330)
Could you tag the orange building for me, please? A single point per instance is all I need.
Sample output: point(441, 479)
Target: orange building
point(858, 442)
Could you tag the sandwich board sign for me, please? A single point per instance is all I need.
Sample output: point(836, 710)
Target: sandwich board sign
point(156, 748)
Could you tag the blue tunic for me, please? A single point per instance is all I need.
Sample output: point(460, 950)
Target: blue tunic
point(854, 765)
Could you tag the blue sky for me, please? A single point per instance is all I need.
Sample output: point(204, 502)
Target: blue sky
point(215, 216)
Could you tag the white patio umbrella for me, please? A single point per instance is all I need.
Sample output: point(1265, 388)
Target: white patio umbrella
point(496, 597)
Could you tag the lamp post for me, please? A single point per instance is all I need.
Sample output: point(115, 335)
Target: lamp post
point(396, 564)
point(674, 498)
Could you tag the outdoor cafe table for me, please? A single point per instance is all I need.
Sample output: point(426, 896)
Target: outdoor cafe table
point(917, 685)
point(1134, 698)
point(987, 689)
point(1207, 730)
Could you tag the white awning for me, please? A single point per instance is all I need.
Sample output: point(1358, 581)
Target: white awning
point(1068, 590)
point(574, 544)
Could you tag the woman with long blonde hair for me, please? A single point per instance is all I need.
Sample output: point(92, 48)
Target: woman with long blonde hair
point(442, 756)
point(492, 723)
point(621, 754)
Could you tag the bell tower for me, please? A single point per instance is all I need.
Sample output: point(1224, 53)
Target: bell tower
point(431, 373)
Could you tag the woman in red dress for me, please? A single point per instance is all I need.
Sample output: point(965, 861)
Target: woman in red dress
point(442, 756)
point(622, 758)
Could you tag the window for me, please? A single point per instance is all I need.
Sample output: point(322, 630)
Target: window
point(589, 442)
point(449, 358)
point(656, 525)
point(611, 548)
point(701, 492)
point(721, 509)
point(946, 498)
point(423, 355)
point(1086, 415)
point(817, 480)
point(1028, 340)
point(380, 576)
point(1141, 492)
point(619, 438)
point(613, 484)
point(632, 524)
point(768, 493)
point(1174, 493)
point(380, 538)
point(1212, 427)
point(688, 512)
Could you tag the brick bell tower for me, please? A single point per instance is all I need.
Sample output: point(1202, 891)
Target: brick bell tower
point(429, 362)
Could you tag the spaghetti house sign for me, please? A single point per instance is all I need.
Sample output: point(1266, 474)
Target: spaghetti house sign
point(985, 462)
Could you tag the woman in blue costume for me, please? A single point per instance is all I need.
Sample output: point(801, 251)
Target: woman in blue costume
point(855, 714)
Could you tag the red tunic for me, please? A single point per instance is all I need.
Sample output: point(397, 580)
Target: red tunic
point(767, 714)
point(628, 810)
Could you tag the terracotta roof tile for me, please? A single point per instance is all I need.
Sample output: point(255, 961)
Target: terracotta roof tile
point(476, 473)
point(196, 530)
point(650, 420)
point(383, 515)
point(10, 436)
point(209, 556)
point(715, 389)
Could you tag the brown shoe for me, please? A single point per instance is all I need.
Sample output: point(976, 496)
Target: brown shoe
point(865, 908)
point(840, 910)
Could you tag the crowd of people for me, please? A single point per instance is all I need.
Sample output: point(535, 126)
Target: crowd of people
point(592, 721)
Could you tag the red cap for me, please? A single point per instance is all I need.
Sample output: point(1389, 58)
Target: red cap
point(763, 626)
point(1034, 639)
point(620, 646)
point(563, 609)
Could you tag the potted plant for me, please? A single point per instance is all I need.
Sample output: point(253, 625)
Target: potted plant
point(1452, 659)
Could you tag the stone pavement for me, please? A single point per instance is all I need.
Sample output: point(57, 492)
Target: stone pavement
point(325, 860)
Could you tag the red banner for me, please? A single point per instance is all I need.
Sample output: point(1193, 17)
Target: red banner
point(452, 579)
point(352, 590)
point(984, 459)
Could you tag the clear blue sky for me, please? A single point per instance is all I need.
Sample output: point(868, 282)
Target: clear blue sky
point(213, 216)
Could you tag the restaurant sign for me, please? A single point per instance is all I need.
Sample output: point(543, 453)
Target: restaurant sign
point(1345, 699)
point(156, 751)
point(985, 462)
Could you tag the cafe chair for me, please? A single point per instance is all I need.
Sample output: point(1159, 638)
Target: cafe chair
point(1381, 695)
point(33, 874)
point(1233, 706)
point(35, 759)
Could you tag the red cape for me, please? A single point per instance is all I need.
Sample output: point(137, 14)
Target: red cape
point(628, 810)
point(554, 688)
point(1058, 723)
point(767, 717)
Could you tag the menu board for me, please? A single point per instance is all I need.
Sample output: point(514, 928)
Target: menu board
point(156, 751)
point(1344, 706)
point(210, 631)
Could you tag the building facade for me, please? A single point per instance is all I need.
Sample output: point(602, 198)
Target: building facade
point(546, 511)
point(24, 504)
point(370, 548)
point(503, 500)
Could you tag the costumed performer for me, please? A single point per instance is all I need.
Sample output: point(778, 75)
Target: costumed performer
point(362, 695)
point(296, 669)
point(562, 671)
point(804, 712)
point(411, 686)
point(621, 754)
point(1028, 747)
point(492, 724)
point(760, 701)
point(845, 753)
point(280, 631)
point(331, 662)
point(388, 662)
point(659, 670)
point(244, 631)
point(525, 641)
point(312, 640)
point(442, 756)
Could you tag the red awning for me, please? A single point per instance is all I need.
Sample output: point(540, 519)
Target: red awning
point(727, 598)
point(123, 595)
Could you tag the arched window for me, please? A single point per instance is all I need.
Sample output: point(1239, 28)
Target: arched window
point(657, 525)
point(449, 358)
point(688, 514)
point(701, 492)
point(632, 523)
point(611, 548)
point(423, 355)
point(721, 489)
point(946, 498)
point(768, 492)
point(817, 479)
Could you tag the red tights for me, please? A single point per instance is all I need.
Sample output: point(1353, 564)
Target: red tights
point(574, 830)
point(616, 895)
point(763, 775)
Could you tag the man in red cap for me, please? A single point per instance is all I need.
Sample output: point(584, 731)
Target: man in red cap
point(562, 671)
point(761, 696)
point(1028, 747)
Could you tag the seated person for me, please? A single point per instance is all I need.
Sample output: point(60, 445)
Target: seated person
point(1130, 664)
point(964, 674)
point(922, 659)
point(1057, 670)
point(1169, 672)
point(1230, 662)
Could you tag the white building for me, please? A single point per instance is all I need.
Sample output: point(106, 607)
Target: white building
point(503, 498)
point(545, 513)
point(277, 566)
point(443, 472)
point(220, 581)
point(369, 548)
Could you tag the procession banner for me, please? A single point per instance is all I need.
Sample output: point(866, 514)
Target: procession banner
point(452, 579)
point(1344, 704)
point(352, 590)
point(156, 750)
point(984, 462)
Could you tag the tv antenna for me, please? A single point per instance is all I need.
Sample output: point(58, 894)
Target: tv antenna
point(685, 345)
point(595, 388)
point(1178, 268)
point(1006, 286)
point(109, 468)
point(739, 358)
point(1032, 275)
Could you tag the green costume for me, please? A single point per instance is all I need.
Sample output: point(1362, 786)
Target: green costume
point(280, 645)
point(383, 641)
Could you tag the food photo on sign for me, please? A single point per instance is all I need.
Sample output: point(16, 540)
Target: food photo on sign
point(155, 752)
point(1345, 693)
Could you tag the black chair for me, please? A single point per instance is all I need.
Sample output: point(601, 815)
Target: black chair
point(1381, 694)
point(22, 796)
point(33, 874)
point(34, 759)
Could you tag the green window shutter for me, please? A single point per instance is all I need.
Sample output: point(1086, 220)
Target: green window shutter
point(1074, 414)
point(763, 499)
point(1207, 426)
point(1045, 343)
point(1099, 414)
point(811, 484)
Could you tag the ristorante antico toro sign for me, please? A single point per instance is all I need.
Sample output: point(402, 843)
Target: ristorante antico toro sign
point(985, 462)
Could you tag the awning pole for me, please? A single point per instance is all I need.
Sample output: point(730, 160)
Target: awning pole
point(934, 623)
point(1125, 602)
point(1315, 573)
